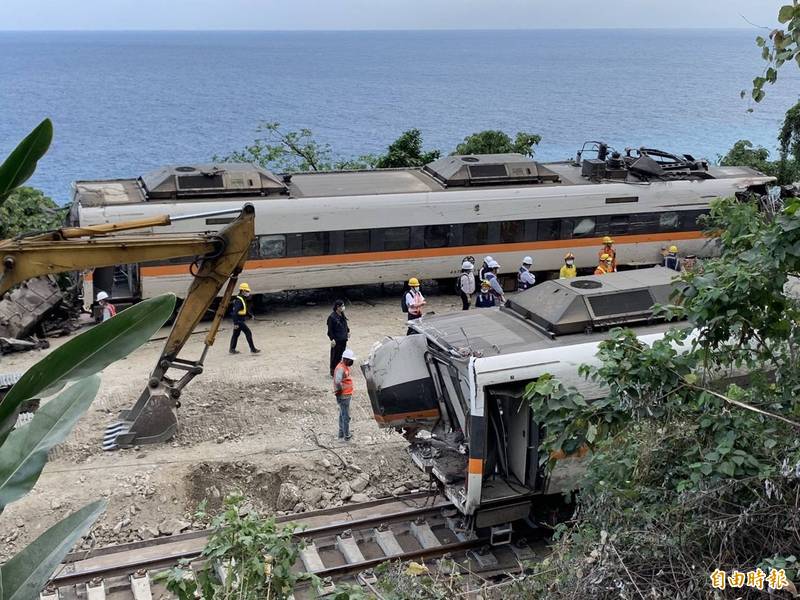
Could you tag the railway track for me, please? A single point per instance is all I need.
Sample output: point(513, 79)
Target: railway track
point(343, 543)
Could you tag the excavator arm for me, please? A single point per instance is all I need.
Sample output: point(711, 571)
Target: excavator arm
point(222, 256)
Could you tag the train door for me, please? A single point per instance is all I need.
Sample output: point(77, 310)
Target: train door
point(122, 282)
point(513, 436)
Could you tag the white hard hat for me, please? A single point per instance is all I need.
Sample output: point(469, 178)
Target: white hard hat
point(349, 354)
point(527, 260)
point(493, 264)
point(101, 295)
point(466, 265)
point(488, 260)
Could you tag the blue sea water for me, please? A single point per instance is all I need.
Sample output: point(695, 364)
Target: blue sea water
point(124, 103)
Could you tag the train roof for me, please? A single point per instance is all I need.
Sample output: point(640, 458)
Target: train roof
point(554, 314)
point(244, 180)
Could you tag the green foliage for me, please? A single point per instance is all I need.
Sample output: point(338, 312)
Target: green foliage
point(24, 575)
point(778, 48)
point(406, 151)
point(28, 209)
point(292, 151)
point(695, 432)
point(25, 450)
point(411, 581)
point(257, 553)
point(21, 163)
point(744, 154)
point(498, 142)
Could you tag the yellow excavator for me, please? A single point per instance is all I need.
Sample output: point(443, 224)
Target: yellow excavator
point(220, 258)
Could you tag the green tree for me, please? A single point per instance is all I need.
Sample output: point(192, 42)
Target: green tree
point(781, 45)
point(28, 209)
point(406, 151)
point(498, 142)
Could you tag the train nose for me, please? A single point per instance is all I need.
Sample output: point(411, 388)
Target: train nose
point(399, 384)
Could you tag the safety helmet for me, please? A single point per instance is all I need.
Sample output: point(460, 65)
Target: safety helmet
point(673, 249)
point(527, 260)
point(413, 282)
point(466, 266)
point(494, 264)
point(607, 240)
point(485, 283)
point(606, 257)
point(243, 287)
point(569, 255)
point(488, 260)
point(101, 295)
point(349, 354)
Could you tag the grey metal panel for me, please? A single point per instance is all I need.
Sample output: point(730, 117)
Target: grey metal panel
point(358, 183)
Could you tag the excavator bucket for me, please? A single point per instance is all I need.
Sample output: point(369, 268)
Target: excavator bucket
point(153, 418)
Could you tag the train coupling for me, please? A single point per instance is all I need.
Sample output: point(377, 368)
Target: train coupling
point(150, 421)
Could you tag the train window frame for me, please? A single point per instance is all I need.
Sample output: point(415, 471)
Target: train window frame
point(417, 239)
point(467, 239)
point(517, 231)
point(398, 246)
point(294, 244)
point(674, 216)
point(440, 238)
point(276, 237)
point(688, 220)
point(644, 223)
point(549, 230)
point(619, 224)
point(568, 227)
point(531, 230)
point(347, 249)
point(318, 248)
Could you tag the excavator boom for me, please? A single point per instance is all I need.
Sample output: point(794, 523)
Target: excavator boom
point(221, 259)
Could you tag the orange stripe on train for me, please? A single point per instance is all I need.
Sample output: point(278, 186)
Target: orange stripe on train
point(356, 257)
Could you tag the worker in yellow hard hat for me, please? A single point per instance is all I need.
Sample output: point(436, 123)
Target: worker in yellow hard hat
point(568, 269)
point(241, 310)
point(413, 301)
point(605, 265)
point(671, 259)
point(608, 248)
point(486, 298)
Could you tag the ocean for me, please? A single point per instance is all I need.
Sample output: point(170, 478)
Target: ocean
point(124, 103)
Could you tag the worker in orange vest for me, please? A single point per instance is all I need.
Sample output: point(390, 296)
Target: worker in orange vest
point(343, 389)
point(608, 248)
point(605, 266)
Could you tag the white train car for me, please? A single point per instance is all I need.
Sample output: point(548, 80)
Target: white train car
point(350, 228)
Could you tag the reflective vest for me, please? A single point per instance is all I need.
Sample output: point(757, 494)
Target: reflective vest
point(567, 272)
point(347, 381)
point(243, 311)
point(601, 270)
point(612, 252)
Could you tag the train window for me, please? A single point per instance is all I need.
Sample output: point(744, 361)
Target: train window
point(531, 230)
point(668, 221)
point(315, 244)
point(356, 240)
point(549, 229)
point(512, 231)
point(689, 220)
point(272, 246)
point(396, 238)
point(643, 223)
point(475, 234)
point(619, 224)
point(583, 227)
point(437, 236)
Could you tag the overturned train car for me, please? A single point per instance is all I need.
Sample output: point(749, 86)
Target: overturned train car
point(456, 390)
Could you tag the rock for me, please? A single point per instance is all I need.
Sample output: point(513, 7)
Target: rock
point(345, 492)
point(360, 498)
point(172, 526)
point(359, 484)
point(55, 504)
point(399, 490)
point(288, 496)
point(147, 532)
point(313, 495)
point(326, 464)
point(20, 523)
point(299, 507)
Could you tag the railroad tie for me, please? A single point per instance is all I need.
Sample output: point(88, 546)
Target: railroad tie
point(140, 585)
point(311, 559)
point(424, 534)
point(96, 589)
point(387, 541)
point(346, 544)
point(50, 593)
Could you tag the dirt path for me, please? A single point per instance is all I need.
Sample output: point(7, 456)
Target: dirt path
point(254, 423)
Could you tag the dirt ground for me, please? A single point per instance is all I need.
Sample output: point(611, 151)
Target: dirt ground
point(258, 424)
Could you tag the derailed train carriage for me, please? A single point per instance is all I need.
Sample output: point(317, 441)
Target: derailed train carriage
point(456, 390)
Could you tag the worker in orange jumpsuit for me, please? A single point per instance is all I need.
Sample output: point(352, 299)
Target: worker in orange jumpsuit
point(605, 265)
point(608, 248)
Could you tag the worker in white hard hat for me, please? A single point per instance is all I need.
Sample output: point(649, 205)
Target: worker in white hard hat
point(494, 281)
point(465, 284)
point(343, 389)
point(525, 279)
point(241, 310)
point(109, 310)
point(485, 268)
